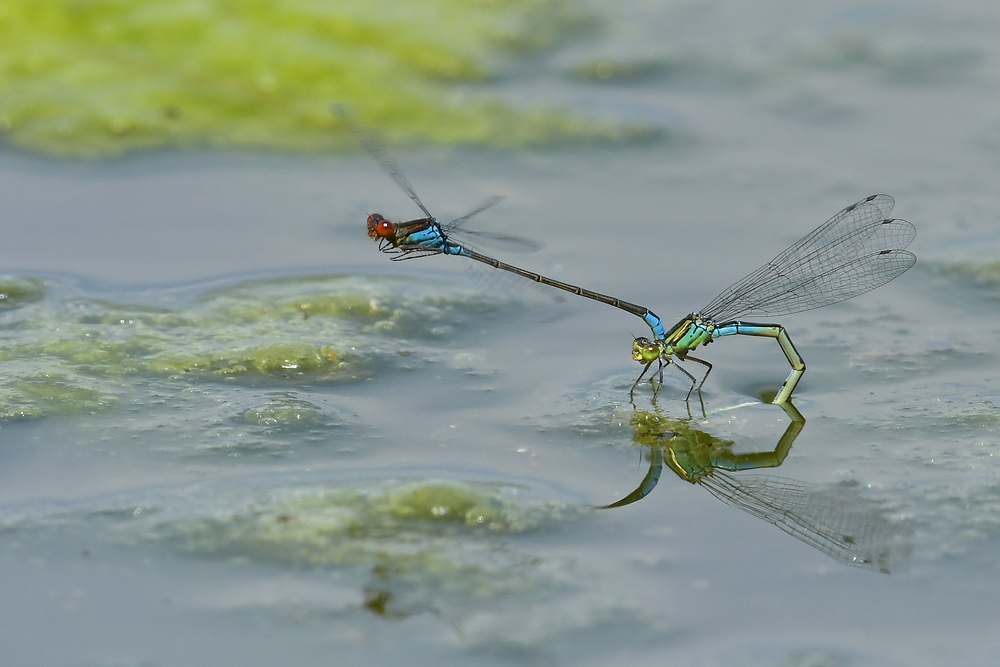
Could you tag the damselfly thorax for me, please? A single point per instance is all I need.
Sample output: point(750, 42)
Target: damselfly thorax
point(686, 335)
point(421, 236)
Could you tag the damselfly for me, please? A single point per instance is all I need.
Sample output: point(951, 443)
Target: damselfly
point(426, 236)
point(854, 252)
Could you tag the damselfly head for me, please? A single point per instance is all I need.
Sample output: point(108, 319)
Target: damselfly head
point(645, 351)
point(379, 227)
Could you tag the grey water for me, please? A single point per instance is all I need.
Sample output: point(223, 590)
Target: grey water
point(224, 411)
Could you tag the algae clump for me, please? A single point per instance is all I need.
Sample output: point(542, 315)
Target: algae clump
point(52, 395)
point(15, 292)
point(448, 502)
point(284, 411)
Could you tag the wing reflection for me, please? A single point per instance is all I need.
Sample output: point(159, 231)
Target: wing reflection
point(843, 525)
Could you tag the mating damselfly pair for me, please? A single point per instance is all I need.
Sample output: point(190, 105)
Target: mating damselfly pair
point(857, 250)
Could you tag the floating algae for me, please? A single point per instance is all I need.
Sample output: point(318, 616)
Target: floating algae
point(49, 395)
point(73, 355)
point(102, 77)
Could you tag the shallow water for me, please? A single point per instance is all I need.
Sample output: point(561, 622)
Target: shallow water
point(228, 419)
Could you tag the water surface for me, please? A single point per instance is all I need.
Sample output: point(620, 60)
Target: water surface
point(228, 419)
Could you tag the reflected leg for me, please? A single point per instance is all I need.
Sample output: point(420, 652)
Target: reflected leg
point(768, 459)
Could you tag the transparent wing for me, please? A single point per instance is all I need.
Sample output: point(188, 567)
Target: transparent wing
point(487, 204)
point(373, 146)
point(454, 231)
point(854, 252)
point(841, 525)
point(472, 239)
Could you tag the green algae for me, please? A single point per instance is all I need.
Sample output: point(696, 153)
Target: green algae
point(434, 536)
point(50, 395)
point(326, 329)
point(449, 502)
point(15, 292)
point(983, 273)
point(284, 411)
point(103, 77)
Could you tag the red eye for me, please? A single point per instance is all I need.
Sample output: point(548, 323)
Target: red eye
point(379, 226)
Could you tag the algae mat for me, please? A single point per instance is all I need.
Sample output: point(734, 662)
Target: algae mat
point(229, 371)
point(91, 79)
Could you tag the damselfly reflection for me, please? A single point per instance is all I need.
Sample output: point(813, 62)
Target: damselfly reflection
point(842, 525)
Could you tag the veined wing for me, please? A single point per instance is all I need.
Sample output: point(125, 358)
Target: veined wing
point(842, 526)
point(458, 234)
point(488, 203)
point(854, 252)
point(375, 148)
point(473, 239)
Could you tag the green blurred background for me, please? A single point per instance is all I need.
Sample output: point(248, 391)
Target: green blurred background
point(92, 78)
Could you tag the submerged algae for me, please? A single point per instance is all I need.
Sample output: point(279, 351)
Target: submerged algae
point(427, 537)
point(283, 411)
point(104, 77)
